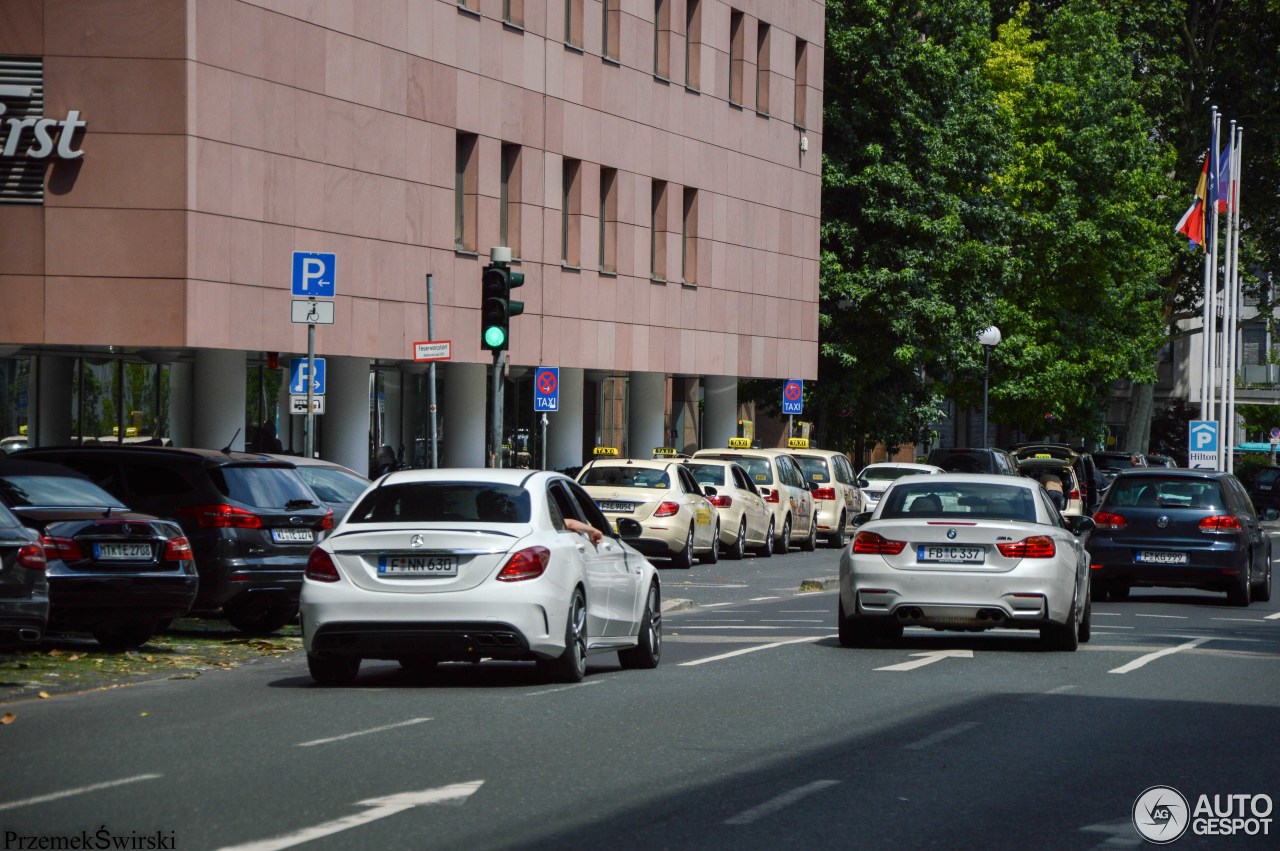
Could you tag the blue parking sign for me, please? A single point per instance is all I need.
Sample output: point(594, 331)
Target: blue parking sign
point(314, 274)
point(298, 377)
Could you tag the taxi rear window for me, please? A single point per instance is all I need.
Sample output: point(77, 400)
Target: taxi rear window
point(759, 469)
point(601, 475)
point(814, 469)
point(708, 474)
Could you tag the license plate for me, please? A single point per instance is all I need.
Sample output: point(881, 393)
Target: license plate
point(122, 552)
point(1161, 557)
point(951, 555)
point(418, 566)
point(293, 536)
point(605, 505)
point(874, 495)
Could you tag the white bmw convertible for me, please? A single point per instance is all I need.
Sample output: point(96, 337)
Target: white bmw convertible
point(469, 564)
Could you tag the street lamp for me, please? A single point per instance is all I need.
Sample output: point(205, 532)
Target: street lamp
point(989, 338)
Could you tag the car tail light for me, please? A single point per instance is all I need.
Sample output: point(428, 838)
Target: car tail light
point(1107, 520)
point(720, 501)
point(667, 509)
point(824, 493)
point(1075, 494)
point(61, 548)
point(320, 567)
point(32, 557)
point(1220, 523)
point(1037, 546)
point(221, 516)
point(327, 522)
point(177, 549)
point(869, 543)
point(529, 563)
point(771, 495)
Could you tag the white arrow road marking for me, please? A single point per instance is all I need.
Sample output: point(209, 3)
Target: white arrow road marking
point(784, 800)
point(67, 793)
point(1151, 657)
point(929, 658)
point(361, 733)
point(1272, 617)
point(378, 808)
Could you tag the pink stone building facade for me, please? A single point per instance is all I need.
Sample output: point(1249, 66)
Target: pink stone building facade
point(653, 164)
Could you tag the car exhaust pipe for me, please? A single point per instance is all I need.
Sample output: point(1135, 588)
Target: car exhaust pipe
point(910, 613)
point(29, 635)
point(993, 615)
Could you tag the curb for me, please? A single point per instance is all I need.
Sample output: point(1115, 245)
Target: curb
point(825, 583)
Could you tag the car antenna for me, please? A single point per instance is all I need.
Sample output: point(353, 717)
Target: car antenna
point(227, 448)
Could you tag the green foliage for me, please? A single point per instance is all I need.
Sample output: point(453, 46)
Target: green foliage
point(1248, 465)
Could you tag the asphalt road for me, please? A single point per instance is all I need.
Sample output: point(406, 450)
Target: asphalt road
point(757, 731)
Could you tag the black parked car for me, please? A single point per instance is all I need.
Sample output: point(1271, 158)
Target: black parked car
point(1179, 528)
point(251, 520)
point(113, 572)
point(1265, 490)
point(24, 588)
point(963, 460)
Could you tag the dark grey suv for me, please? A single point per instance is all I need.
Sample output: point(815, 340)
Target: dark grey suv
point(251, 520)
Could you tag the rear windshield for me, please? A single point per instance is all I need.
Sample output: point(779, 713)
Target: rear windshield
point(262, 486)
point(758, 469)
point(333, 485)
point(443, 502)
point(1112, 462)
point(889, 473)
point(962, 461)
point(28, 491)
point(1267, 477)
point(708, 474)
point(1153, 492)
point(958, 499)
point(814, 469)
point(7, 520)
point(624, 476)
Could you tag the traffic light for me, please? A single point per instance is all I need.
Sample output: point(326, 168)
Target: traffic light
point(496, 306)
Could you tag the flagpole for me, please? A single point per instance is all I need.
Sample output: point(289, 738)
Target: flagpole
point(1211, 232)
point(1207, 324)
point(1230, 308)
point(1233, 215)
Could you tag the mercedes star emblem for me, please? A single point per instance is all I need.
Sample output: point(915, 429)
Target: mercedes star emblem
point(1162, 521)
point(415, 541)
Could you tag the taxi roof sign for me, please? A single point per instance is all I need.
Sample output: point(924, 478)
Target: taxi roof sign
point(739, 443)
point(797, 443)
point(610, 451)
point(665, 450)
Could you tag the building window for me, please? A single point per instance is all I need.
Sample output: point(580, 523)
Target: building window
point(573, 23)
point(802, 82)
point(763, 32)
point(689, 237)
point(693, 43)
point(513, 12)
point(736, 35)
point(608, 220)
point(611, 32)
point(662, 38)
point(470, 6)
point(509, 200)
point(466, 186)
point(571, 213)
point(658, 231)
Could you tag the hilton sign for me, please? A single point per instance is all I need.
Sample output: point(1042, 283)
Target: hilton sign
point(45, 137)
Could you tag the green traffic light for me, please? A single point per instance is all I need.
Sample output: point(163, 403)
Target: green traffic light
point(494, 336)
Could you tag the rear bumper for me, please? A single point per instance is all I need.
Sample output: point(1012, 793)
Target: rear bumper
point(1216, 569)
point(98, 600)
point(23, 621)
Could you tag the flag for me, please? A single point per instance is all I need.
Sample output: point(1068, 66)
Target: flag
point(1224, 193)
point(1210, 196)
point(1191, 225)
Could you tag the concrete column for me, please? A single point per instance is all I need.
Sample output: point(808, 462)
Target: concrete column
point(180, 376)
point(344, 434)
point(53, 400)
point(219, 404)
point(392, 435)
point(411, 417)
point(288, 427)
point(720, 414)
point(463, 404)
point(564, 427)
point(646, 410)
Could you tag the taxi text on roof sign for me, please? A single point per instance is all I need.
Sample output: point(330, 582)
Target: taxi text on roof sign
point(797, 443)
point(611, 451)
point(739, 443)
point(665, 450)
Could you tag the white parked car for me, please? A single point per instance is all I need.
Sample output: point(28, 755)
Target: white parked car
point(967, 552)
point(875, 478)
point(470, 564)
point(744, 516)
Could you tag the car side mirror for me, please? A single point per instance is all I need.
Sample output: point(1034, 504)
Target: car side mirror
point(1271, 514)
point(1079, 524)
point(708, 490)
point(629, 528)
point(813, 486)
point(864, 483)
point(861, 517)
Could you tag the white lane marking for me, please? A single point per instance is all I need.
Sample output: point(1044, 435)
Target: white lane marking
point(378, 808)
point(1031, 698)
point(696, 626)
point(1060, 689)
point(791, 620)
point(783, 801)
point(408, 723)
point(1170, 617)
point(67, 793)
point(1272, 617)
point(941, 735)
point(1151, 657)
point(582, 684)
point(1117, 626)
point(928, 658)
point(733, 653)
point(713, 605)
point(1241, 620)
point(720, 620)
point(758, 599)
point(1098, 614)
point(805, 612)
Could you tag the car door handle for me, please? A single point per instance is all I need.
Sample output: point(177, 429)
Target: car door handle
point(581, 548)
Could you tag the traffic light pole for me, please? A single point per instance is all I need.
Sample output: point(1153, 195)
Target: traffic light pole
point(495, 430)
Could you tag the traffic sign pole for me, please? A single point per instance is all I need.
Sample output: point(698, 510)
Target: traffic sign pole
point(309, 429)
point(431, 374)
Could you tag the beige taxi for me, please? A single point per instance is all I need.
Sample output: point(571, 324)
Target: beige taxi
point(744, 517)
point(677, 519)
point(778, 478)
point(837, 497)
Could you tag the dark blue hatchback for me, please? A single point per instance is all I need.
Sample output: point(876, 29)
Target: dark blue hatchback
point(1161, 527)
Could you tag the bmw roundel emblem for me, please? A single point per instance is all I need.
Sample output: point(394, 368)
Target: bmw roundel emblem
point(951, 534)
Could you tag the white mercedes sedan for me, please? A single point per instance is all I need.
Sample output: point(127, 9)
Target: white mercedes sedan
point(432, 566)
point(967, 552)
